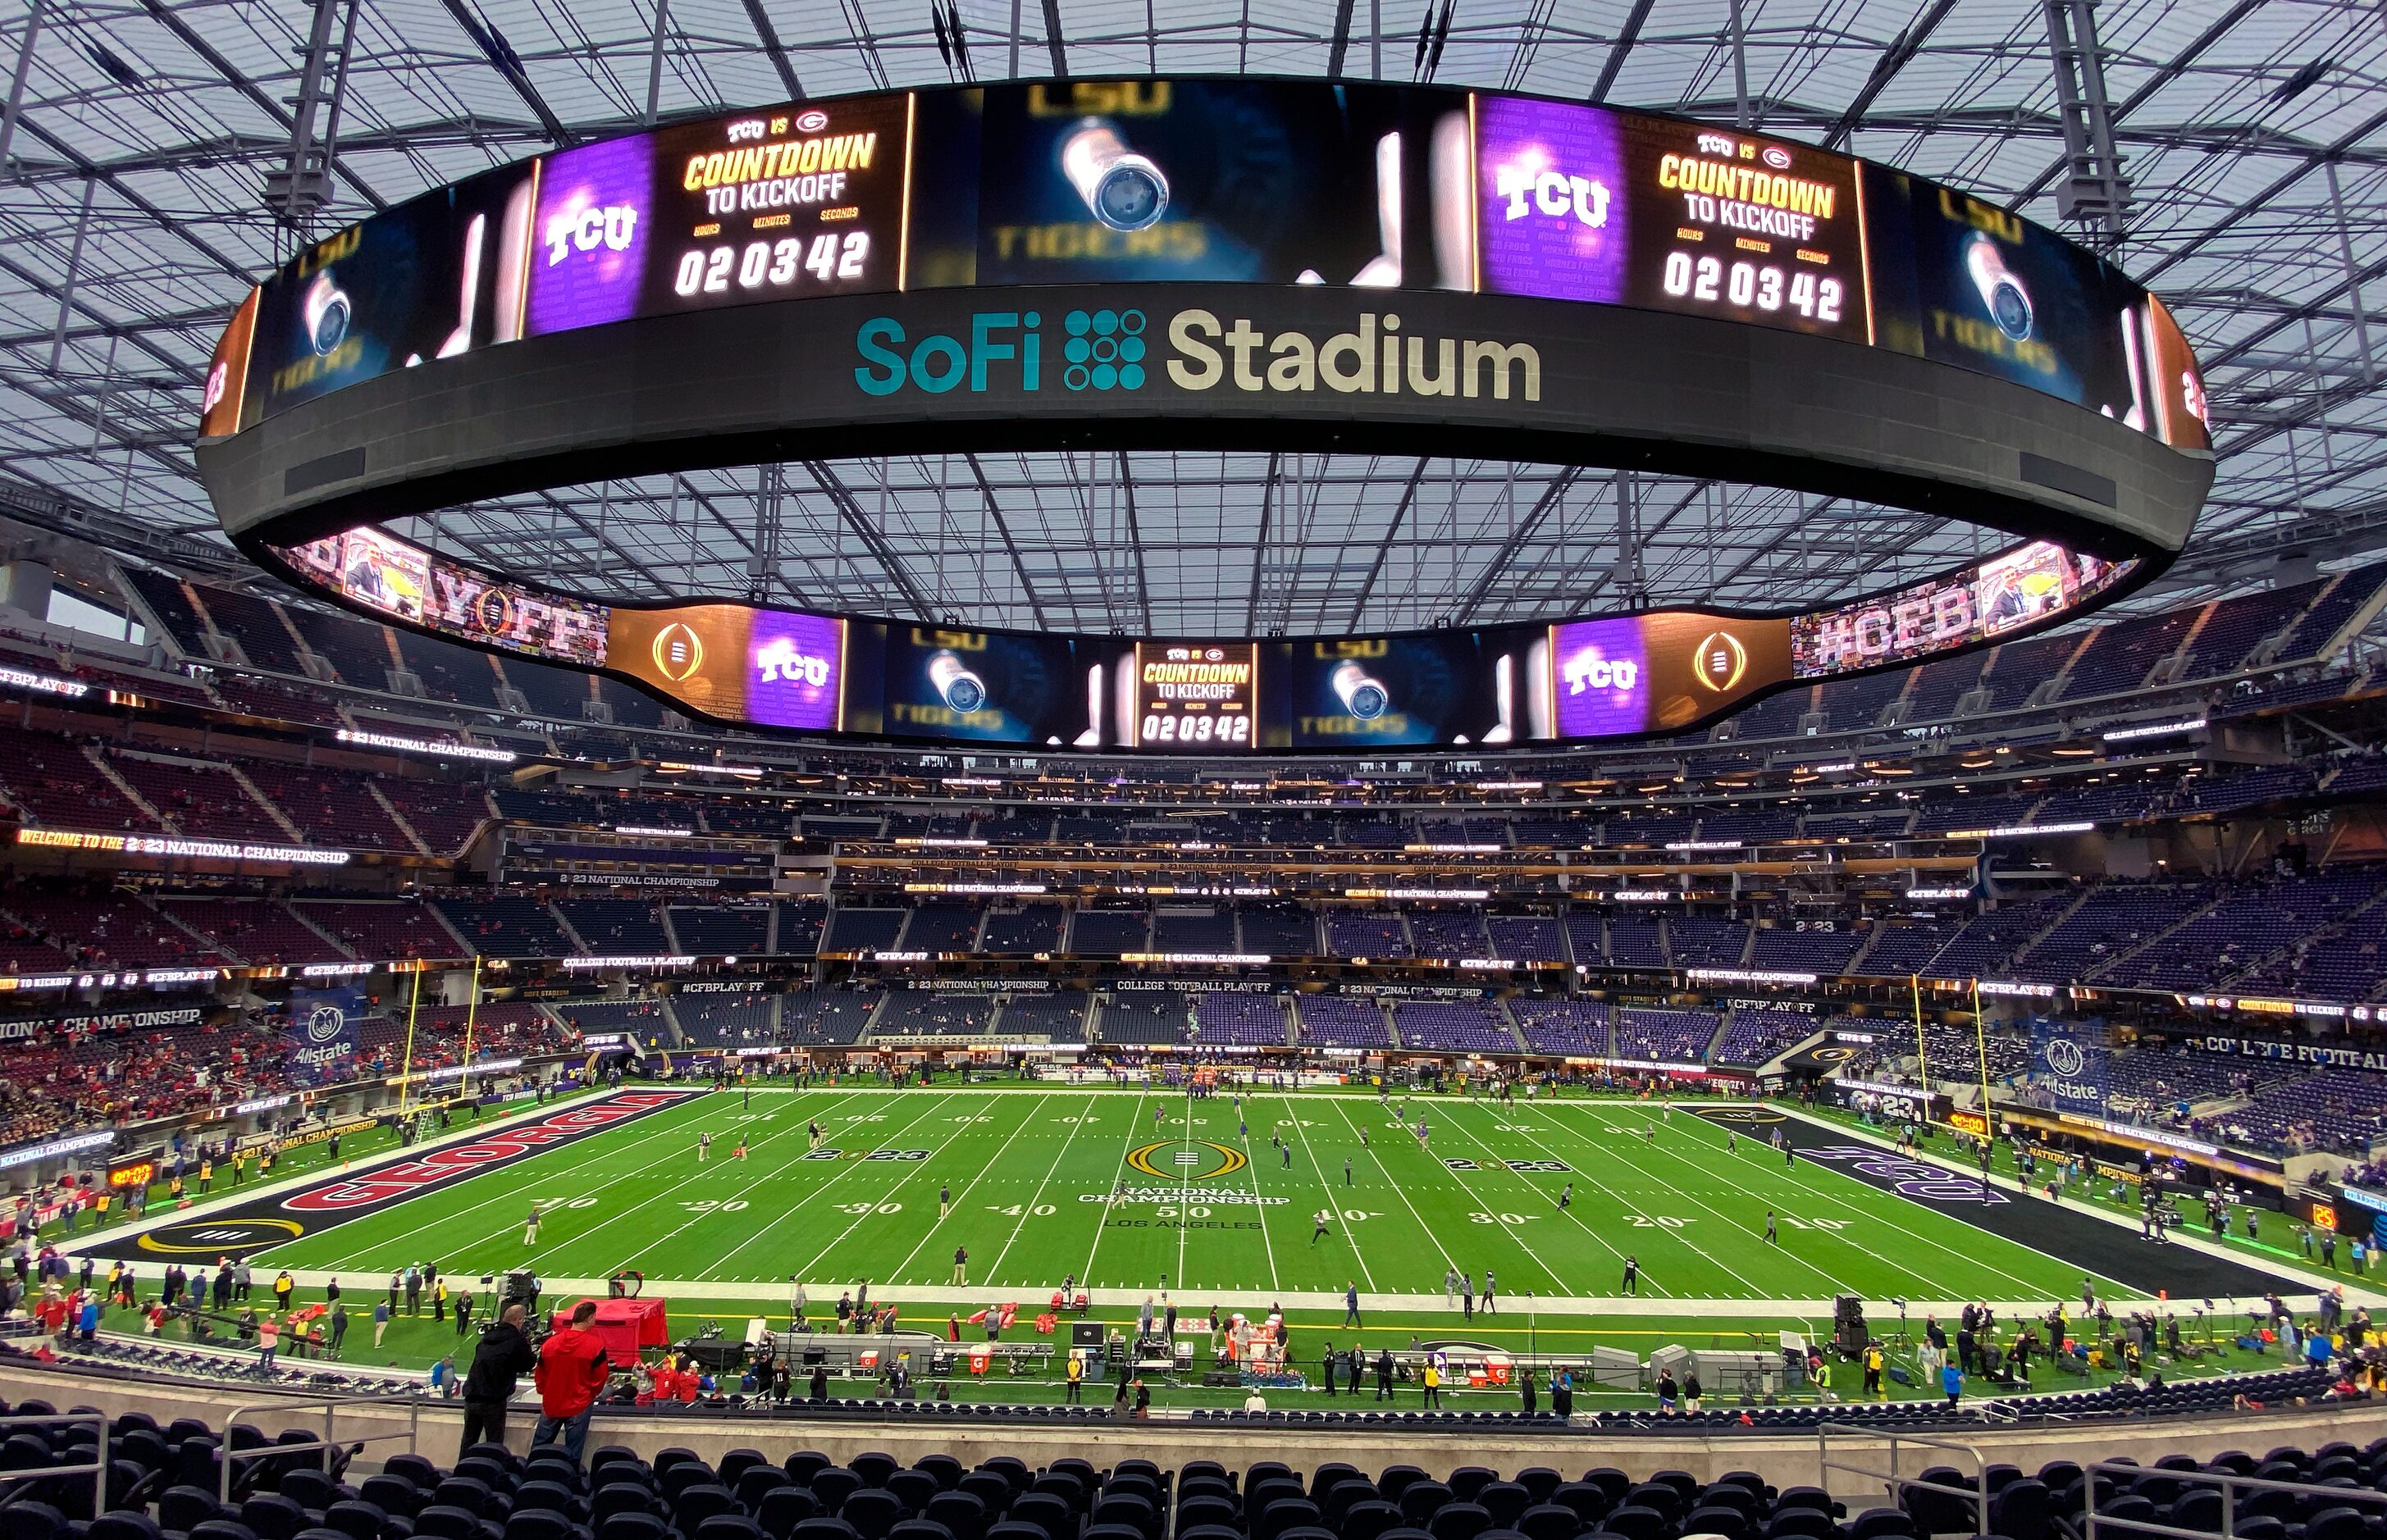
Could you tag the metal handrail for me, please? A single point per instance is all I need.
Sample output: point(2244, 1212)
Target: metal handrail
point(99, 1474)
point(326, 1443)
point(2230, 1483)
point(1897, 1484)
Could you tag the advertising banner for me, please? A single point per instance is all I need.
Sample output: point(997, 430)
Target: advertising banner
point(2068, 1061)
point(321, 1038)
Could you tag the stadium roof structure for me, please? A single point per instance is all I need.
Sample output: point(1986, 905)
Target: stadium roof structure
point(157, 157)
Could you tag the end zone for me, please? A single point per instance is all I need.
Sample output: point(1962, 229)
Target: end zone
point(274, 1220)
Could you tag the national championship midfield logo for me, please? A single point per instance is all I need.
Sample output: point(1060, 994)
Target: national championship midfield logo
point(1186, 1160)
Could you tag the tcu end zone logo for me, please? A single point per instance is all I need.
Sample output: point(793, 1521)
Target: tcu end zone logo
point(414, 1176)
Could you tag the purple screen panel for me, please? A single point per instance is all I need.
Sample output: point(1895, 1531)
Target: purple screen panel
point(1600, 677)
point(1551, 200)
point(589, 251)
point(793, 667)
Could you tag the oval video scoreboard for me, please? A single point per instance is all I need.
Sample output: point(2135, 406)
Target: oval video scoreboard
point(1216, 263)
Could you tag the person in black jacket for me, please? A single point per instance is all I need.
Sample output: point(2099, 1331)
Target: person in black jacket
point(505, 1356)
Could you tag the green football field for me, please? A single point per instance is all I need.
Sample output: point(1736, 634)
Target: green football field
point(1207, 1200)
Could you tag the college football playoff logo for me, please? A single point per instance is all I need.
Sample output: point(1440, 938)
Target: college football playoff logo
point(679, 653)
point(1720, 661)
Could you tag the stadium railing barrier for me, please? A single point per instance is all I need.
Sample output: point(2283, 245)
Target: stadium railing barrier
point(2312, 1498)
point(230, 1458)
point(1896, 1485)
point(98, 1471)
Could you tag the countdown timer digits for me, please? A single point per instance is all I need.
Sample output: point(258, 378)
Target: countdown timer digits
point(1194, 695)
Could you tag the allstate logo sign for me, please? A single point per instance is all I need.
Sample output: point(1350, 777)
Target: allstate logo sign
point(2064, 1058)
point(325, 1023)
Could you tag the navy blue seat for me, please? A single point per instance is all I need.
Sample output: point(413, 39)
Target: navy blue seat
point(873, 1511)
point(783, 1507)
point(632, 1526)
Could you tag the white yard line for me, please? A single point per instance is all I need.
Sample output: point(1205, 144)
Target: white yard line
point(1086, 1279)
point(1337, 1207)
point(1259, 1209)
point(969, 1186)
point(1423, 1228)
point(1028, 1209)
point(780, 1218)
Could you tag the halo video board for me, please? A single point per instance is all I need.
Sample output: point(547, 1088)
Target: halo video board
point(1414, 270)
point(1308, 183)
point(1599, 677)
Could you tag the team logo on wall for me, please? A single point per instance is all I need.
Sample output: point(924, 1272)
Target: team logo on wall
point(1189, 1160)
point(1720, 661)
point(679, 653)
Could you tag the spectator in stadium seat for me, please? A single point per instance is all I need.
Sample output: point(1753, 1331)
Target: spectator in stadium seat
point(572, 1371)
point(503, 1357)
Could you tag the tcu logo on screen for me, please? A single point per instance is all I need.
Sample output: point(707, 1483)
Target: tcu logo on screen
point(591, 229)
point(1532, 188)
point(1589, 671)
point(778, 660)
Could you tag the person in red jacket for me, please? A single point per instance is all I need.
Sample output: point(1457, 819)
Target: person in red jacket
point(571, 1374)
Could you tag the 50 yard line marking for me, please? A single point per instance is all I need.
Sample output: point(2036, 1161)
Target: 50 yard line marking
point(1259, 1209)
point(1184, 1183)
